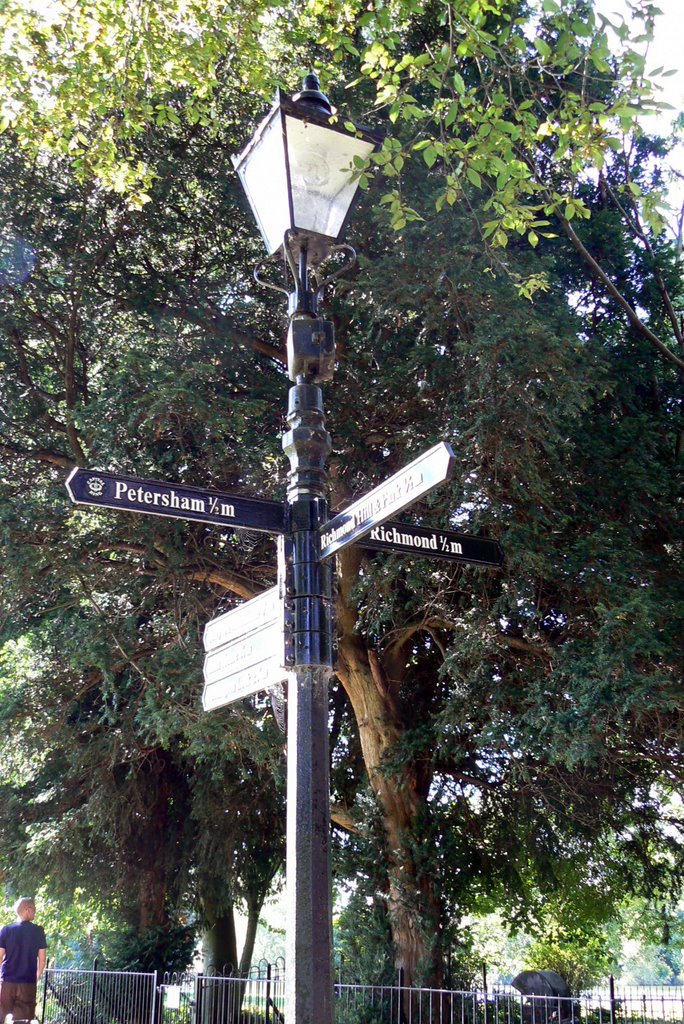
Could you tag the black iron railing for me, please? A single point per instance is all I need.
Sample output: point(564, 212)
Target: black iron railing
point(117, 997)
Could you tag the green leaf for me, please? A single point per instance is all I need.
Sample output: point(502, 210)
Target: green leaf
point(452, 114)
point(473, 177)
point(430, 155)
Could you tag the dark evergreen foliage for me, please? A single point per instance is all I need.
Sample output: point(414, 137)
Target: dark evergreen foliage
point(499, 737)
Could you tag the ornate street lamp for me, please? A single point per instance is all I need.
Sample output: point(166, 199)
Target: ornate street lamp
point(296, 172)
point(298, 176)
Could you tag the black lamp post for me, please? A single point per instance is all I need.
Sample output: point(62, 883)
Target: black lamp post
point(297, 176)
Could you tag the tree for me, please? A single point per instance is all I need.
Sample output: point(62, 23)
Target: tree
point(105, 679)
point(649, 935)
point(506, 725)
point(524, 103)
point(518, 758)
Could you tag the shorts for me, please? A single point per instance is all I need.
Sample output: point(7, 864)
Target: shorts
point(19, 999)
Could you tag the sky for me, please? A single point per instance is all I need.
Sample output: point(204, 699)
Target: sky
point(667, 47)
point(666, 50)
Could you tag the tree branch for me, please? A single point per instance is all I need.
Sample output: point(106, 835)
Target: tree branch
point(39, 455)
point(341, 816)
point(616, 294)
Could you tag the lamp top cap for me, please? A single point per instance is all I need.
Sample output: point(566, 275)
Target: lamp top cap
point(311, 95)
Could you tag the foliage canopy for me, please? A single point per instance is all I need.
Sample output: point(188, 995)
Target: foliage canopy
point(499, 740)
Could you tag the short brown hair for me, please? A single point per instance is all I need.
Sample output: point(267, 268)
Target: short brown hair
point(24, 903)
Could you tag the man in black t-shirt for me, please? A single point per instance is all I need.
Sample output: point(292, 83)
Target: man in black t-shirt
point(22, 955)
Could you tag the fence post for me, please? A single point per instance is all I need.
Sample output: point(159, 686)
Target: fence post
point(91, 1016)
point(45, 988)
point(268, 994)
point(400, 994)
point(611, 990)
point(199, 990)
point(155, 1014)
point(484, 989)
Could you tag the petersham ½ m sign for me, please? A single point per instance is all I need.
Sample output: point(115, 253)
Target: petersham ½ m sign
point(128, 493)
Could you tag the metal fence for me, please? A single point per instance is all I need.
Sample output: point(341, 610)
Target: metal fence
point(97, 997)
point(105, 997)
point(222, 999)
point(394, 1004)
point(642, 1003)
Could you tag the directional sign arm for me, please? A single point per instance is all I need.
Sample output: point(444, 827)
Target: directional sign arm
point(431, 468)
point(425, 542)
point(177, 501)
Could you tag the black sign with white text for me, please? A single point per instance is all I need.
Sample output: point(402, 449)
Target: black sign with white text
point(429, 543)
point(431, 468)
point(129, 494)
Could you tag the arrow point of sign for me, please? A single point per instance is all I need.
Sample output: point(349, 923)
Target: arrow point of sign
point(71, 476)
point(403, 488)
point(451, 459)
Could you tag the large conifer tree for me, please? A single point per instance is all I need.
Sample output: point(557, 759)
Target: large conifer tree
point(516, 731)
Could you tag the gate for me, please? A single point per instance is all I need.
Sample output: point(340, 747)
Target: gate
point(223, 999)
point(176, 999)
point(97, 997)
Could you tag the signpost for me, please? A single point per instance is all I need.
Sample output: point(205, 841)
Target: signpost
point(256, 614)
point(250, 648)
point(287, 632)
point(247, 650)
point(240, 669)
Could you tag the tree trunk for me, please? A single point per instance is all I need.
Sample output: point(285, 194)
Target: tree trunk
point(253, 910)
point(219, 942)
point(413, 903)
point(151, 899)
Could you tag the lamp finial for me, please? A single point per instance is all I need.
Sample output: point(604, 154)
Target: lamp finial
point(311, 95)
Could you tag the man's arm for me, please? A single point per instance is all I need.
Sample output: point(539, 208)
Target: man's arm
point(41, 963)
point(2, 955)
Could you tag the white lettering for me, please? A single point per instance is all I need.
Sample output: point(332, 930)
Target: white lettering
point(415, 540)
point(330, 536)
point(261, 612)
point(228, 510)
point(120, 488)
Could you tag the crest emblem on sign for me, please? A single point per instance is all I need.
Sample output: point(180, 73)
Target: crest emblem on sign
point(96, 486)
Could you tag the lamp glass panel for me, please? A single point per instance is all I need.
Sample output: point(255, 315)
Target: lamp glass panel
point(321, 160)
point(264, 179)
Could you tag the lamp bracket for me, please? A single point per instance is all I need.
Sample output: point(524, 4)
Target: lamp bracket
point(308, 290)
point(267, 284)
point(347, 265)
point(305, 253)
